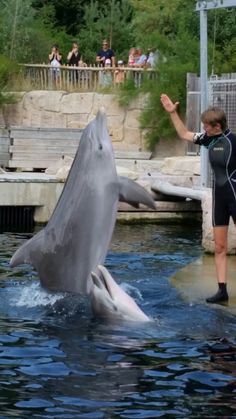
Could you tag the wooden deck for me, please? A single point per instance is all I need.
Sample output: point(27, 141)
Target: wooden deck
point(37, 148)
point(32, 148)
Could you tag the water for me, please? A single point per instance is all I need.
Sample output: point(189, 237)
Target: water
point(57, 361)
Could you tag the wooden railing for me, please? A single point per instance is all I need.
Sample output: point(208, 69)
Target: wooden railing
point(43, 76)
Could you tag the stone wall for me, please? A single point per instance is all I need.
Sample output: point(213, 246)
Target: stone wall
point(74, 110)
point(207, 230)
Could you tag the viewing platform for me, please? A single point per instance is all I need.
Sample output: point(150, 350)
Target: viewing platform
point(82, 78)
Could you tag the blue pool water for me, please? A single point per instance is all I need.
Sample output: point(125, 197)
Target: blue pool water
point(58, 361)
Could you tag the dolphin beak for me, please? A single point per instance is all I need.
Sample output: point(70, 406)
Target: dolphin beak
point(99, 282)
point(101, 122)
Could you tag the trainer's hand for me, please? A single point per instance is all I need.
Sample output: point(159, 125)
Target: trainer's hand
point(167, 103)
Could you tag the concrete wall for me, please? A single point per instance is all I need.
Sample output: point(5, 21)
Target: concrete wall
point(74, 110)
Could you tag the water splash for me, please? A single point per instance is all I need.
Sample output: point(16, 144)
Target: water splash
point(132, 291)
point(34, 295)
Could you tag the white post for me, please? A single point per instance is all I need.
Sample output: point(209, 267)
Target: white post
point(202, 6)
point(205, 169)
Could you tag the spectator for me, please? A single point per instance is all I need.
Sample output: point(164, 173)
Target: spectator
point(141, 58)
point(74, 56)
point(132, 57)
point(54, 56)
point(152, 58)
point(73, 59)
point(105, 53)
point(119, 73)
point(106, 74)
point(82, 63)
point(55, 60)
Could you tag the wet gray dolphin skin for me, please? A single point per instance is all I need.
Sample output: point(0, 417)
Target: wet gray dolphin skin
point(76, 239)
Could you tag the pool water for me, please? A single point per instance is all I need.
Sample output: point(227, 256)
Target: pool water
point(58, 361)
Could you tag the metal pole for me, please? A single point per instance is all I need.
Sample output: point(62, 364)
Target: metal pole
point(202, 6)
point(205, 171)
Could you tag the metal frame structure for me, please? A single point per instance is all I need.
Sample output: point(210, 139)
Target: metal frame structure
point(214, 4)
point(202, 6)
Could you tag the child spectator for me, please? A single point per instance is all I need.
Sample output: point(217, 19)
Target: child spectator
point(119, 73)
point(55, 60)
point(131, 58)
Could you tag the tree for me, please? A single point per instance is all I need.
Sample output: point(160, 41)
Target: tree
point(16, 19)
point(69, 14)
point(173, 28)
point(112, 22)
point(8, 73)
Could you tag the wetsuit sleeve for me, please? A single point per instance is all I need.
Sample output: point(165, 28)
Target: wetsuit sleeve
point(198, 138)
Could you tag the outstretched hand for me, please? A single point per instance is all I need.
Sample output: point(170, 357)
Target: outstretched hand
point(167, 103)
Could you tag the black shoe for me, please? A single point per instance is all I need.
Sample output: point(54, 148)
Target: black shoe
point(220, 297)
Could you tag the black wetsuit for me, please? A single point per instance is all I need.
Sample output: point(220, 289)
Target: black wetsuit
point(222, 156)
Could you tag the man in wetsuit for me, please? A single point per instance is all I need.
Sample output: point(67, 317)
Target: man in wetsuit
point(221, 144)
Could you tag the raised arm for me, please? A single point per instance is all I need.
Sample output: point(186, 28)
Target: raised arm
point(171, 108)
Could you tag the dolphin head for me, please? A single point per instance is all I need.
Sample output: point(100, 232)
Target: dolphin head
point(110, 301)
point(95, 140)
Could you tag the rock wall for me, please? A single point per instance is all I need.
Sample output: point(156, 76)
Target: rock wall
point(207, 230)
point(74, 110)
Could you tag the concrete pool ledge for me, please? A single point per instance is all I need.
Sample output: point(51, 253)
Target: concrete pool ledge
point(42, 191)
point(31, 189)
point(197, 281)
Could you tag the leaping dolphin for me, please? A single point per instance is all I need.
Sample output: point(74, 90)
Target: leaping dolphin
point(111, 302)
point(76, 239)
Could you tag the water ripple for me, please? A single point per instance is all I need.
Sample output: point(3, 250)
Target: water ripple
point(57, 361)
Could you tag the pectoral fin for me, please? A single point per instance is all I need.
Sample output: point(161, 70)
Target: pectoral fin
point(134, 194)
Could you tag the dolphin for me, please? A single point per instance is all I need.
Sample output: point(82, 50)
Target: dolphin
point(111, 302)
point(77, 236)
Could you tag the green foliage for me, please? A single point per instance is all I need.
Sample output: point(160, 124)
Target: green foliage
point(229, 62)
point(155, 121)
point(68, 14)
point(173, 28)
point(14, 18)
point(8, 72)
point(166, 27)
point(112, 23)
point(128, 92)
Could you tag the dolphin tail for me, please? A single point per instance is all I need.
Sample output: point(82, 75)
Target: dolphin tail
point(25, 252)
point(134, 194)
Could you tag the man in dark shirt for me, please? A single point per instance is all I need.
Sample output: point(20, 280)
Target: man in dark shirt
point(105, 53)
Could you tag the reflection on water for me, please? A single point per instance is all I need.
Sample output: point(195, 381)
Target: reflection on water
point(57, 361)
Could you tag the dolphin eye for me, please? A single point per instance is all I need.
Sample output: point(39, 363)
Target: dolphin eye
point(100, 147)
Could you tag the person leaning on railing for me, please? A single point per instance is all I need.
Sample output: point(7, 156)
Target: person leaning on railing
point(73, 59)
point(55, 55)
point(55, 60)
point(74, 56)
